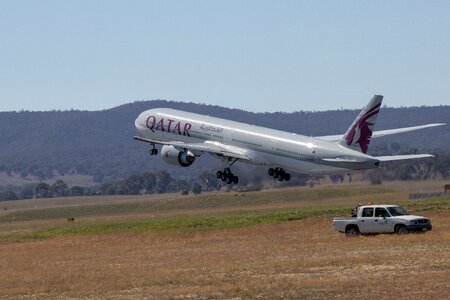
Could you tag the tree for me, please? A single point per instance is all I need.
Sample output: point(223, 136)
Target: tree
point(183, 187)
point(209, 181)
point(43, 190)
point(77, 191)
point(27, 192)
point(133, 185)
point(406, 172)
point(196, 189)
point(108, 189)
point(8, 195)
point(149, 182)
point(165, 183)
point(335, 178)
point(59, 189)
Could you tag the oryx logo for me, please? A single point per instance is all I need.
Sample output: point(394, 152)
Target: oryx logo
point(361, 130)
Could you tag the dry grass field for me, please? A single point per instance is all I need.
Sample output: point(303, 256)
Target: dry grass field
point(276, 244)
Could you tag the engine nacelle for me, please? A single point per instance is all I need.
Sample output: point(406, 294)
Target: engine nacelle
point(175, 157)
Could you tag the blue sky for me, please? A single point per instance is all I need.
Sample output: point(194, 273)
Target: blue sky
point(253, 55)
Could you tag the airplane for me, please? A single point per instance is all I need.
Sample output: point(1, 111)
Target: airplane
point(184, 136)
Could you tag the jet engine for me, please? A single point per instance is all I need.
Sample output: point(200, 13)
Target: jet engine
point(175, 157)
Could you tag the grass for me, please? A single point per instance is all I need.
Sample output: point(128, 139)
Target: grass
point(219, 200)
point(180, 224)
point(184, 224)
point(285, 249)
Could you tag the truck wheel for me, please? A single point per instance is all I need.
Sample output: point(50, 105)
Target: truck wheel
point(402, 229)
point(351, 231)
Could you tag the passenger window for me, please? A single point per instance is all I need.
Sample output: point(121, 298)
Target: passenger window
point(381, 213)
point(367, 212)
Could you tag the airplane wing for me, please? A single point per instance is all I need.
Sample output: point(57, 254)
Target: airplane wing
point(375, 134)
point(208, 146)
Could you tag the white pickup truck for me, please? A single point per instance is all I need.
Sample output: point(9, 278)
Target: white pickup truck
point(372, 219)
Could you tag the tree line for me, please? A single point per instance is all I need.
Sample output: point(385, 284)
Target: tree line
point(163, 182)
point(143, 184)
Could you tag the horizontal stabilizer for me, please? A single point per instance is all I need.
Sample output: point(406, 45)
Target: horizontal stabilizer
point(402, 157)
point(342, 160)
point(374, 161)
point(351, 164)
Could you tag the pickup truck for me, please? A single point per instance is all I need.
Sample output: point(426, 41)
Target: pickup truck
point(373, 219)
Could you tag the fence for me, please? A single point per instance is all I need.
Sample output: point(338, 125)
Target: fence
point(427, 195)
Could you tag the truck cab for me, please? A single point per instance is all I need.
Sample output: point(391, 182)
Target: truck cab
point(371, 219)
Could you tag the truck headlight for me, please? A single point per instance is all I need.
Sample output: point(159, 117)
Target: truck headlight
point(413, 222)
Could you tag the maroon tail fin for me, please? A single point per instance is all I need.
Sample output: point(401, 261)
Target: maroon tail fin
point(358, 135)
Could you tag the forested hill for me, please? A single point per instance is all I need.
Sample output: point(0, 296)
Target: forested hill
point(100, 143)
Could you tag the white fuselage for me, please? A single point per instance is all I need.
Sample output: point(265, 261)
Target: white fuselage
point(268, 147)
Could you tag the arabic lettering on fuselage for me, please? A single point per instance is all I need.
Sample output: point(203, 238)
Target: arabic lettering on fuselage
point(168, 125)
point(205, 127)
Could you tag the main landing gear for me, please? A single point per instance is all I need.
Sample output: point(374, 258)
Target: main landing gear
point(280, 174)
point(227, 176)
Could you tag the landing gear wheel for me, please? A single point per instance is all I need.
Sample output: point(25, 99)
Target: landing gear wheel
point(153, 151)
point(279, 173)
point(276, 173)
point(227, 176)
point(287, 176)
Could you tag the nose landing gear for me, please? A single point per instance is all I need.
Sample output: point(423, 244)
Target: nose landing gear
point(280, 174)
point(227, 176)
point(153, 151)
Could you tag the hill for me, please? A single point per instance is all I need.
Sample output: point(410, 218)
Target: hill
point(99, 143)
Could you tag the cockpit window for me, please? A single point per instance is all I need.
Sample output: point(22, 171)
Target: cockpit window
point(397, 211)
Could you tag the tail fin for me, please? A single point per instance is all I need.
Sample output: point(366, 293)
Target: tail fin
point(358, 135)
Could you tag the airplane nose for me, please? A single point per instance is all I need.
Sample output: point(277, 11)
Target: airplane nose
point(138, 123)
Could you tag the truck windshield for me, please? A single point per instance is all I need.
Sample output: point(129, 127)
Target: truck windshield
point(397, 211)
